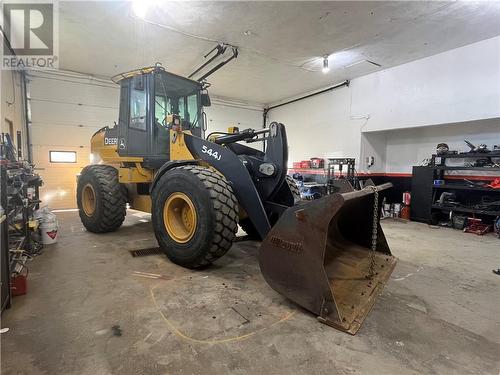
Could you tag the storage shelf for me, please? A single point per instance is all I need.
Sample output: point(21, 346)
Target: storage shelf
point(444, 167)
point(465, 187)
point(470, 155)
point(465, 209)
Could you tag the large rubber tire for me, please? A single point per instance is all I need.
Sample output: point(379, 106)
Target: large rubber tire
point(293, 188)
point(246, 223)
point(216, 210)
point(110, 198)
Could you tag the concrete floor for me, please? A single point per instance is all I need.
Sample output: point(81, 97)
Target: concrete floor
point(439, 313)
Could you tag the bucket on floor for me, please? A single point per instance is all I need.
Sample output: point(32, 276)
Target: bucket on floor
point(49, 232)
point(48, 225)
point(19, 284)
point(324, 256)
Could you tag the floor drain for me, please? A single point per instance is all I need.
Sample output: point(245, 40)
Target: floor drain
point(146, 252)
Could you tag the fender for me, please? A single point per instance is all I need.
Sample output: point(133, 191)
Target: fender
point(168, 166)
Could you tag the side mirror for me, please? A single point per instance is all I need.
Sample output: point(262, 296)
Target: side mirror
point(205, 100)
point(138, 82)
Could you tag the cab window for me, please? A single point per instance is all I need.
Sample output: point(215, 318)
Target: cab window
point(175, 95)
point(138, 109)
point(192, 109)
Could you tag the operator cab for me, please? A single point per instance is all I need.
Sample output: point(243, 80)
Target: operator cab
point(149, 100)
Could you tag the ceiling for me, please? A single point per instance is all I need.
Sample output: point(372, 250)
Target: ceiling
point(280, 43)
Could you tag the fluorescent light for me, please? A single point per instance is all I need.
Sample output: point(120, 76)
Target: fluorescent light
point(140, 8)
point(325, 69)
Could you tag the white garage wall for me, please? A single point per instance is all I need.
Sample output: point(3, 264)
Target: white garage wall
point(408, 147)
point(12, 106)
point(373, 145)
point(320, 126)
point(222, 114)
point(66, 110)
point(455, 86)
point(450, 90)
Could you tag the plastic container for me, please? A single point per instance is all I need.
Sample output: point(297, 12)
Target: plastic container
point(405, 213)
point(406, 198)
point(396, 209)
point(317, 163)
point(305, 164)
point(49, 232)
point(19, 285)
point(48, 225)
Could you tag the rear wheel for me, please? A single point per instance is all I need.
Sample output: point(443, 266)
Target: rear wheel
point(195, 215)
point(101, 199)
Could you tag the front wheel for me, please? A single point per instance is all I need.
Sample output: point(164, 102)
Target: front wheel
point(195, 215)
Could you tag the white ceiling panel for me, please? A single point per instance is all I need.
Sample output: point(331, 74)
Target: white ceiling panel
point(280, 43)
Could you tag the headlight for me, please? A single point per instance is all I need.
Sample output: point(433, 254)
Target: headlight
point(267, 169)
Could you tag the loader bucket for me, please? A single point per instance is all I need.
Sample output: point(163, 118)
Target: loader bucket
point(318, 255)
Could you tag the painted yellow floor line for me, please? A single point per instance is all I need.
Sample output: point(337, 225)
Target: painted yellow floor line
point(183, 336)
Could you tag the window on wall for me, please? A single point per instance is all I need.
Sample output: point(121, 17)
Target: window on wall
point(62, 156)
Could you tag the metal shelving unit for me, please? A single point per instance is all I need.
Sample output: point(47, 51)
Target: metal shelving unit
point(439, 173)
point(465, 155)
point(455, 168)
point(466, 210)
point(465, 187)
point(425, 194)
point(6, 295)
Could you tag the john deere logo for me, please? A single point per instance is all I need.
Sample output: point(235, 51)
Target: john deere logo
point(30, 30)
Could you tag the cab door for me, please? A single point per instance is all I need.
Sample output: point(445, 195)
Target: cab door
point(134, 127)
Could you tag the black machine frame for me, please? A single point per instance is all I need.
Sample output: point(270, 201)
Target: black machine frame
point(264, 198)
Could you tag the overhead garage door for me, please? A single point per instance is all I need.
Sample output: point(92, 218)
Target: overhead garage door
point(65, 112)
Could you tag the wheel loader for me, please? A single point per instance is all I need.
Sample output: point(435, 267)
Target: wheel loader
point(329, 255)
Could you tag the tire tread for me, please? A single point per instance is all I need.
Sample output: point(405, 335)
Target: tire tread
point(225, 206)
point(113, 199)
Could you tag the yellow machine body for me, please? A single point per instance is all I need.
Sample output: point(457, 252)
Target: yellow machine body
point(130, 169)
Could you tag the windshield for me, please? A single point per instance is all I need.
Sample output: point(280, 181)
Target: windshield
point(175, 95)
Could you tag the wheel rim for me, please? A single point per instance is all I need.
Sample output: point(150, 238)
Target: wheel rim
point(179, 217)
point(88, 200)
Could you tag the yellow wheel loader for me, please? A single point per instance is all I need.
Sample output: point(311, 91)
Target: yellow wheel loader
point(329, 255)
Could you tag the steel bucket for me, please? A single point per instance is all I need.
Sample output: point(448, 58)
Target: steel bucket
point(318, 255)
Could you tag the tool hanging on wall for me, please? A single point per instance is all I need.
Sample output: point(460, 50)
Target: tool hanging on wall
point(479, 148)
point(219, 50)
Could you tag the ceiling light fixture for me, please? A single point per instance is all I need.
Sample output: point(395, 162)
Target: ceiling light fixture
point(140, 8)
point(325, 69)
